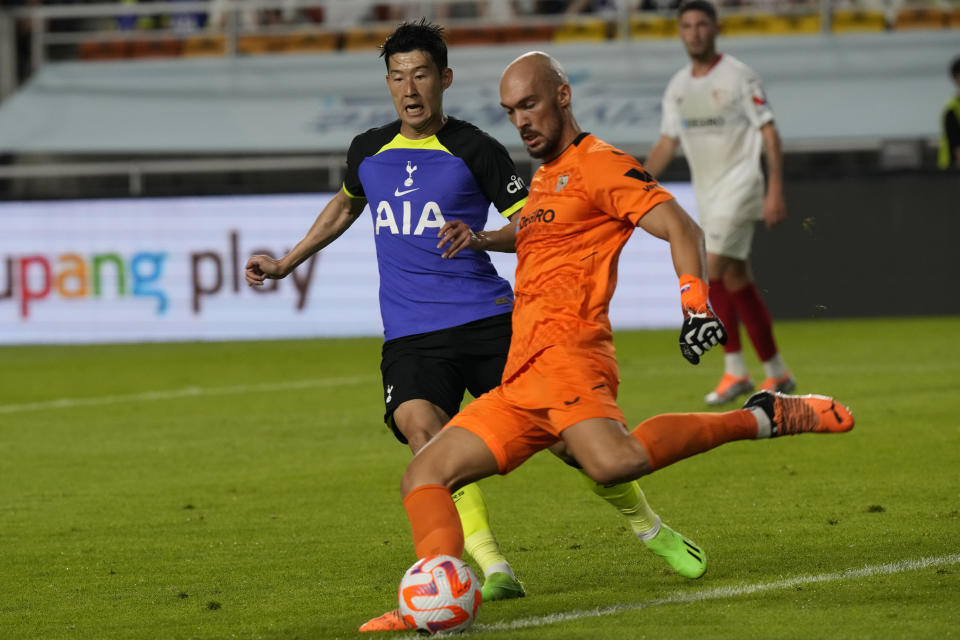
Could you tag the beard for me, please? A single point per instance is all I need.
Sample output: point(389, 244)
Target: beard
point(547, 150)
point(701, 51)
point(550, 145)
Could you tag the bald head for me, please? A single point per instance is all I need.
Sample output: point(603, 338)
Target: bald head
point(535, 67)
point(535, 92)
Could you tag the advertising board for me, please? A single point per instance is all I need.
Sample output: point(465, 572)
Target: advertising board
point(171, 269)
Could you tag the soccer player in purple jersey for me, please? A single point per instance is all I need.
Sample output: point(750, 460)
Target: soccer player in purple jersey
point(446, 314)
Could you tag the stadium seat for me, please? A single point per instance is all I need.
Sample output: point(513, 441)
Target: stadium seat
point(473, 35)
point(953, 17)
point(848, 21)
point(359, 39)
point(520, 33)
point(251, 45)
point(277, 43)
point(203, 46)
point(156, 48)
point(653, 27)
point(747, 24)
point(313, 42)
point(582, 31)
point(254, 45)
point(107, 50)
point(796, 23)
point(921, 19)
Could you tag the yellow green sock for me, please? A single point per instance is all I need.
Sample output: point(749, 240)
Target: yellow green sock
point(478, 539)
point(628, 499)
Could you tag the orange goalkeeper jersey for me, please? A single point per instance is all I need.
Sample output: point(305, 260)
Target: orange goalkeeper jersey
point(582, 208)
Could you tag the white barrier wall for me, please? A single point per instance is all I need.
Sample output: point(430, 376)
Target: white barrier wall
point(855, 87)
point(95, 271)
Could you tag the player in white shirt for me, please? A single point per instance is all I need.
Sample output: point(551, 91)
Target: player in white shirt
point(715, 108)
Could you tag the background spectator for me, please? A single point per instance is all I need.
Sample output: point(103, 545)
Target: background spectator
point(950, 127)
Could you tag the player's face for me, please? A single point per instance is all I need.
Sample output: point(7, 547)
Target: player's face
point(699, 34)
point(417, 86)
point(533, 108)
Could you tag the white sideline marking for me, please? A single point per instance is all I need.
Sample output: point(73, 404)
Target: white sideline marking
point(725, 592)
point(186, 392)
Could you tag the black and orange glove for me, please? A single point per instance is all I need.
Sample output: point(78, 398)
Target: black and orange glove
point(701, 328)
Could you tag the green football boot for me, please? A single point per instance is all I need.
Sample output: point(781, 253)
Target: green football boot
point(501, 586)
point(682, 554)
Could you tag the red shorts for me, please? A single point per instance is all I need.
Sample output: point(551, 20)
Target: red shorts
point(558, 388)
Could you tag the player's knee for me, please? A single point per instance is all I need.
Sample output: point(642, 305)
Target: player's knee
point(417, 439)
point(415, 476)
point(417, 432)
point(734, 284)
point(607, 474)
point(736, 275)
point(617, 466)
point(423, 471)
point(418, 422)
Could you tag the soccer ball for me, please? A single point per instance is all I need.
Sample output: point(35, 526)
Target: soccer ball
point(438, 594)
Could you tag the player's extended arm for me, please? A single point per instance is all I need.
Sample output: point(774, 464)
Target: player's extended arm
point(660, 155)
point(774, 205)
point(336, 217)
point(460, 236)
point(701, 328)
point(668, 221)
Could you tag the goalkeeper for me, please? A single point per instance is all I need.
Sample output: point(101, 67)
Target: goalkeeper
point(560, 381)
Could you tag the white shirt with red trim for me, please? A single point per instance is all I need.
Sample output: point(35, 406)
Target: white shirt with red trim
point(717, 118)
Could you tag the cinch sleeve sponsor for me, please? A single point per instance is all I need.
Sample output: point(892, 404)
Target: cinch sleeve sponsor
point(491, 167)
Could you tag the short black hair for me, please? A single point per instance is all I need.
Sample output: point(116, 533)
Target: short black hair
point(698, 5)
point(955, 67)
point(417, 36)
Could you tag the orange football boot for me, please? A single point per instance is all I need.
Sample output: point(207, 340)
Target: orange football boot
point(390, 621)
point(728, 389)
point(791, 415)
point(783, 384)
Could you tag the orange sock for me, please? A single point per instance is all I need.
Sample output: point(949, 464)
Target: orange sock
point(434, 521)
point(675, 436)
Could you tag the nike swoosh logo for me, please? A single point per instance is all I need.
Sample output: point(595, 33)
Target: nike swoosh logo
point(399, 193)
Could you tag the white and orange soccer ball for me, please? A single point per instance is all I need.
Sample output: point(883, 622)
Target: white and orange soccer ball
point(439, 594)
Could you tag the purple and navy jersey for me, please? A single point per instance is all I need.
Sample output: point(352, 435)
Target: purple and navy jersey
point(413, 187)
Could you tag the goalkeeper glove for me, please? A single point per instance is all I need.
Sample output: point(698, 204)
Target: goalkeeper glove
point(701, 328)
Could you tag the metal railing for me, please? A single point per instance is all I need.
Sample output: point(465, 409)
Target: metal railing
point(136, 170)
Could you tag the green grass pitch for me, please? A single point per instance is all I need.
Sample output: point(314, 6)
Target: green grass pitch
point(250, 490)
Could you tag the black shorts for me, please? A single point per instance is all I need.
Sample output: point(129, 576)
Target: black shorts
point(440, 365)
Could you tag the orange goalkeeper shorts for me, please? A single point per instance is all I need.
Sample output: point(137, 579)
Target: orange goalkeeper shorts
point(556, 389)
